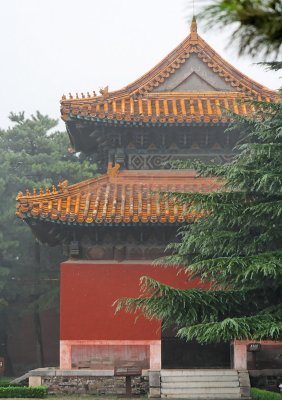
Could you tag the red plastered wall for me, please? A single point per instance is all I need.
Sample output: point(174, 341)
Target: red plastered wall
point(88, 290)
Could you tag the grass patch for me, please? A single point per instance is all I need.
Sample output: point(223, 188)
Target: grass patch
point(259, 394)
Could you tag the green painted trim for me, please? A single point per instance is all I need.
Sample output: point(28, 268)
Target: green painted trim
point(110, 224)
point(109, 122)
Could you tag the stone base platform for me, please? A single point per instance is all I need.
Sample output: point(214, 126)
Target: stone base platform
point(96, 382)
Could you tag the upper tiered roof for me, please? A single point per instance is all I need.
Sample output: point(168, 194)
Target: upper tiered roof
point(169, 93)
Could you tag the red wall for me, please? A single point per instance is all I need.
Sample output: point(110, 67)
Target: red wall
point(88, 290)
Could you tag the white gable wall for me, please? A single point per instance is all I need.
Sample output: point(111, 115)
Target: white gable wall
point(194, 76)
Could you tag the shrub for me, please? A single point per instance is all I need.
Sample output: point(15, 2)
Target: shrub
point(16, 391)
point(259, 394)
point(7, 382)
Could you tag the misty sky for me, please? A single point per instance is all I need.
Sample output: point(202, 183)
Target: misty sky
point(53, 47)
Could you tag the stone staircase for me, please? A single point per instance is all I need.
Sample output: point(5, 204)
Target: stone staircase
point(207, 384)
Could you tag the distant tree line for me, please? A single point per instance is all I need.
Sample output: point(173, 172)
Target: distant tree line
point(33, 154)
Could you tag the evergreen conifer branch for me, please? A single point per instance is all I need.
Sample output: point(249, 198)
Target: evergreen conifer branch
point(233, 245)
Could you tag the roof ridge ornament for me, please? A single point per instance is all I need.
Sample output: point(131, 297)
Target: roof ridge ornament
point(63, 186)
point(194, 28)
point(113, 169)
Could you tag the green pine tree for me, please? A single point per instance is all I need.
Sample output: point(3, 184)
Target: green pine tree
point(32, 155)
point(235, 244)
point(257, 24)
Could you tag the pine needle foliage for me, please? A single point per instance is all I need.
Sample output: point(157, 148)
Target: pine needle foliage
point(235, 245)
point(257, 24)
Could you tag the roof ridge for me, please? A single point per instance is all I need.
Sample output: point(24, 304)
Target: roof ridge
point(119, 200)
point(112, 175)
point(173, 60)
point(63, 189)
point(139, 102)
point(231, 66)
point(128, 90)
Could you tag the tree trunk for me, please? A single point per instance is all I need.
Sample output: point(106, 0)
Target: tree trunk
point(4, 344)
point(38, 336)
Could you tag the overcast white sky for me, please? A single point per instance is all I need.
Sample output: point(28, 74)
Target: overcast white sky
point(51, 47)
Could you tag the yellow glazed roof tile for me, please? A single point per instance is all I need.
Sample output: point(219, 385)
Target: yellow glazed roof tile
point(117, 197)
point(140, 101)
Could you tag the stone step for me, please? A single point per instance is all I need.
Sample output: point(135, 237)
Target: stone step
point(204, 384)
point(202, 390)
point(216, 384)
point(202, 378)
point(198, 372)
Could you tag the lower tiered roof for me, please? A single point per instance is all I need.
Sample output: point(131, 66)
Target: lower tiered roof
point(119, 197)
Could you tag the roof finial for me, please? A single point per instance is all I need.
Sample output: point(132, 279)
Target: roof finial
point(194, 24)
point(193, 28)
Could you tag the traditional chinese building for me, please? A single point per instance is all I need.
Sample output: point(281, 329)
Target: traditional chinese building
point(115, 225)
